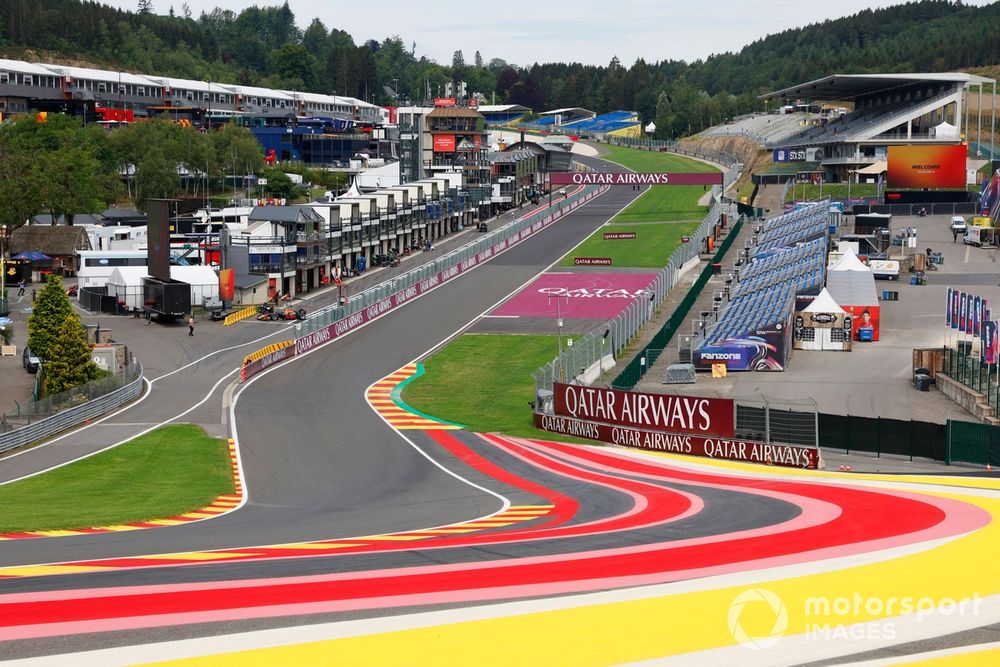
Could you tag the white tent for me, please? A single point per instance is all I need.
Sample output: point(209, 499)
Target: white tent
point(125, 283)
point(651, 128)
point(874, 168)
point(352, 191)
point(849, 262)
point(824, 303)
point(945, 131)
point(822, 324)
point(204, 281)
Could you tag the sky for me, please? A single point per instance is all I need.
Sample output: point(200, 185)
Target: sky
point(586, 31)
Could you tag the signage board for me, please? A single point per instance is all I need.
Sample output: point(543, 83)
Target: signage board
point(657, 412)
point(632, 178)
point(731, 449)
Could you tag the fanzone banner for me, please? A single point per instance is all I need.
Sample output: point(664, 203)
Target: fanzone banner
point(963, 310)
point(941, 166)
point(792, 456)
point(970, 302)
point(977, 306)
point(989, 346)
point(379, 308)
point(655, 412)
point(947, 308)
point(633, 178)
point(956, 297)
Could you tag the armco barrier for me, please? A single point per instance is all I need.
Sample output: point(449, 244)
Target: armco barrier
point(419, 281)
point(233, 318)
point(273, 354)
point(648, 355)
point(44, 428)
point(257, 361)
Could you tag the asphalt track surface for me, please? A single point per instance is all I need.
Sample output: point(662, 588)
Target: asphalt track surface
point(321, 465)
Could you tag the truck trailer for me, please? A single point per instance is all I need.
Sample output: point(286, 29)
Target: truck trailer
point(165, 299)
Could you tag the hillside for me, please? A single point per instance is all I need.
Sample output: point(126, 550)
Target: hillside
point(265, 46)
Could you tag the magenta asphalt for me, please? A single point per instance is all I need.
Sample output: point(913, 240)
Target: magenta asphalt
point(579, 295)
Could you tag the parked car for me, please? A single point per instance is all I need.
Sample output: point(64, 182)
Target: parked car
point(30, 360)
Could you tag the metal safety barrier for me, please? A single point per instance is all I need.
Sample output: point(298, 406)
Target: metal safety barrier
point(70, 417)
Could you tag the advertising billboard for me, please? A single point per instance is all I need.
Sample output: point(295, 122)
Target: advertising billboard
point(227, 283)
point(793, 456)
point(632, 178)
point(444, 143)
point(940, 166)
point(655, 412)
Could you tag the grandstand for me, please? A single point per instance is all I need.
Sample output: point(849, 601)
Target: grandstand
point(549, 120)
point(500, 115)
point(751, 331)
point(764, 128)
point(618, 123)
point(888, 109)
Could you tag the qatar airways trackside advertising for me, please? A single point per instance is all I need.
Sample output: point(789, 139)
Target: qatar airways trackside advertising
point(655, 412)
point(714, 447)
point(633, 178)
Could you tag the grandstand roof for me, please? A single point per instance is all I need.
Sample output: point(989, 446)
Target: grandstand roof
point(580, 111)
point(837, 87)
point(500, 108)
point(190, 84)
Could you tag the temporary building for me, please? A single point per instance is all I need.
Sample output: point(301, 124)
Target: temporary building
point(125, 283)
point(852, 286)
point(822, 325)
point(204, 282)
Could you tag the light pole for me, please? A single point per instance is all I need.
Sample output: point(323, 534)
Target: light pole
point(559, 323)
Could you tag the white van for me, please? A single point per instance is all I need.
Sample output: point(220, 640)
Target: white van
point(958, 225)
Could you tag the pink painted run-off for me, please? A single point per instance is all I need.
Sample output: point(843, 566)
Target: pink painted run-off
point(580, 295)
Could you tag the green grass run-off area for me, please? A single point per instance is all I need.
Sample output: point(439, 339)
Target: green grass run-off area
point(484, 382)
point(659, 218)
point(169, 471)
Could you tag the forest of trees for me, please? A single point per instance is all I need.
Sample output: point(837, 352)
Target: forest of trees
point(264, 46)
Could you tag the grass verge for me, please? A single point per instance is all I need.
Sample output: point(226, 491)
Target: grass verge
point(652, 246)
point(662, 202)
point(484, 382)
point(169, 471)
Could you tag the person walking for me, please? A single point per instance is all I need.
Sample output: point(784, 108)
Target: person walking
point(20, 288)
point(190, 325)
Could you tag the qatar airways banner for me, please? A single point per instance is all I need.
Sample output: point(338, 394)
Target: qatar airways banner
point(656, 412)
point(791, 456)
point(633, 178)
point(381, 307)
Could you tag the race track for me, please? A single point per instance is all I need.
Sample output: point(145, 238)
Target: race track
point(366, 545)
